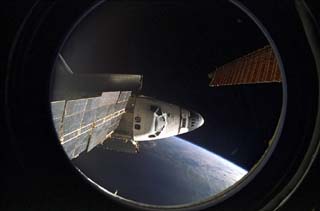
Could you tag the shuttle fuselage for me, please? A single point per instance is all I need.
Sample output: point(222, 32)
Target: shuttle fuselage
point(155, 119)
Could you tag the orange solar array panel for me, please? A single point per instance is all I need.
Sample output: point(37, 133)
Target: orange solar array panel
point(259, 66)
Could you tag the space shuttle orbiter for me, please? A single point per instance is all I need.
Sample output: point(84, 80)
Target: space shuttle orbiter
point(148, 119)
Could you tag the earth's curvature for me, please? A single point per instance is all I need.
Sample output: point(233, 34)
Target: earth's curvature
point(171, 171)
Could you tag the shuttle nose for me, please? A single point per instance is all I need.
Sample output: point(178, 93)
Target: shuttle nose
point(195, 120)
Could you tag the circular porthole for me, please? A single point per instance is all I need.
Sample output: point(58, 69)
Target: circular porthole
point(225, 96)
point(163, 105)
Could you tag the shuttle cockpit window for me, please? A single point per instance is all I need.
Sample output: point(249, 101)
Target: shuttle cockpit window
point(154, 135)
point(137, 127)
point(160, 123)
point(184, 122)
point(156, 110)
point(153, 108)
point(137, 119)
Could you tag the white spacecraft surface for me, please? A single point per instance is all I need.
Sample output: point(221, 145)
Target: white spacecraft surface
point(155, 119)
point(148, 119)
